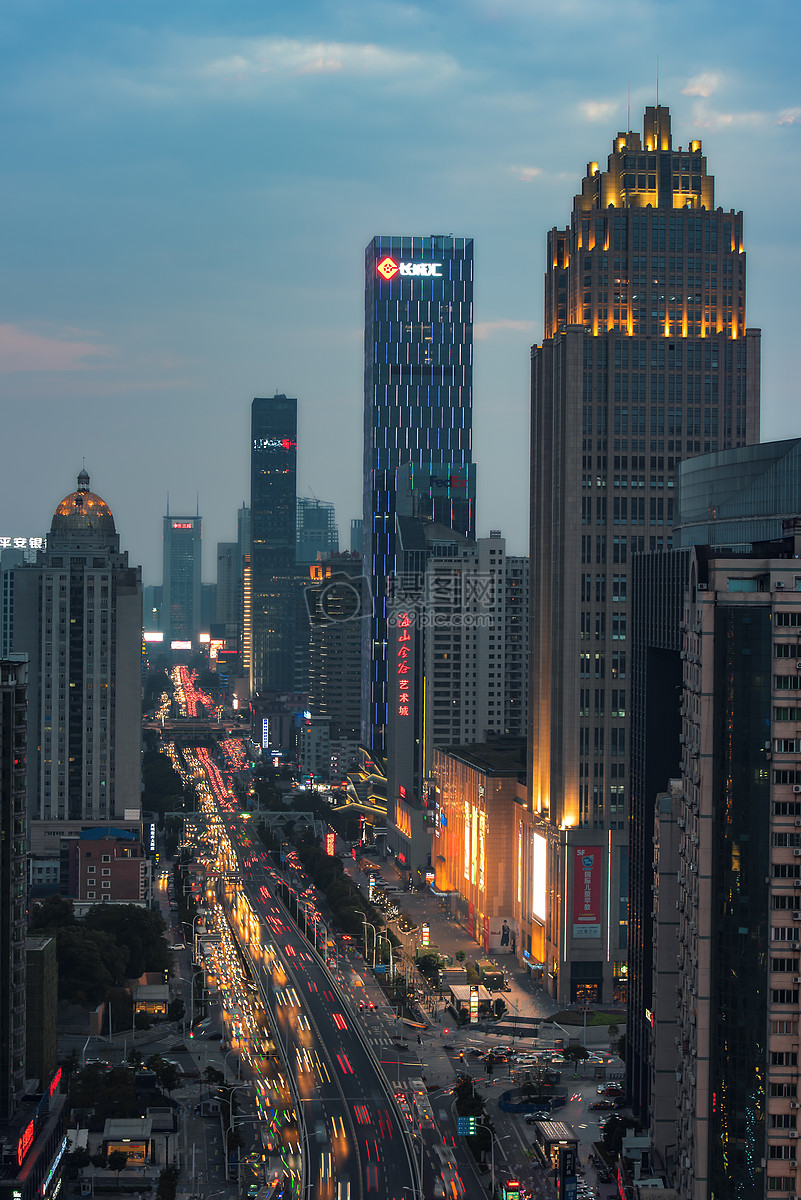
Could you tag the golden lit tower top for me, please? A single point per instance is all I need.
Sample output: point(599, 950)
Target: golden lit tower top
point(646, 252)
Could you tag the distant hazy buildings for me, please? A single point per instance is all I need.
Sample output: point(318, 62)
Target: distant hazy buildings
point(317, 529)
point(418, 396)
point(181, 588)
point(272, 582)
point(78, 617)
point(646, 361)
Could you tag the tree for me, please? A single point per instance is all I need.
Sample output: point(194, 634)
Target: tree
point(117, 1161)
point(176, 1010)
point(138, 932)
point(54, 913)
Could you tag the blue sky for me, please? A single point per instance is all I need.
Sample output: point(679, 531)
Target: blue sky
point(188, 188)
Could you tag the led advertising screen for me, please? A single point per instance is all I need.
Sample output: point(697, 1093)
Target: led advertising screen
point(587, 892)
point(538, 876)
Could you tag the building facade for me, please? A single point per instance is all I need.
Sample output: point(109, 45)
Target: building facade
point(272, 583)
point(418, 400)
point(739, 905)
point(13, 750)
point(646, 361)
point(78, 617)
point(182, 541)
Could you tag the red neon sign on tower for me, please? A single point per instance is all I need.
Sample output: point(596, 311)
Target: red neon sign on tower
point(403, 667)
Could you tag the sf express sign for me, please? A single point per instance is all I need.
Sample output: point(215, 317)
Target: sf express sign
point(388, 269)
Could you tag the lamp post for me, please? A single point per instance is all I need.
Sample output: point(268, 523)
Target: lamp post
point(192, 996)
point(232, 1116)
point(367, 925)
point(493, 1139)
point(382, 937)
point(226, 1056)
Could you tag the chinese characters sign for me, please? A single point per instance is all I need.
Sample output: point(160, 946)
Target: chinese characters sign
point(587, 892)
point(23, 543)
point(403, 664)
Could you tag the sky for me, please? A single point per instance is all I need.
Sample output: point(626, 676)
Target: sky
point(188, 189)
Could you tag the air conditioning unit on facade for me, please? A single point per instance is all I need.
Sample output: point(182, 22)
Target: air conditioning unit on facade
point(779, 584)
point(797, 979)
point(793, 1133)
point(793, 1104)
point(797, 854)
point(796, 914)
point(797, 789)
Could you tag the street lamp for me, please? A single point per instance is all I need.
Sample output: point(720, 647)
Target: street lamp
point(232, 1115)
point(382, 937)
point(195, 974)
point(226, 1056)
point(493, 1139)
point(367, 925)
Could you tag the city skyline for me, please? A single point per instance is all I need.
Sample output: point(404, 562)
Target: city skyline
point(175, 247)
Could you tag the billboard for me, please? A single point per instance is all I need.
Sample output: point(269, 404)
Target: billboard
point(538, 877)
point(587, 892)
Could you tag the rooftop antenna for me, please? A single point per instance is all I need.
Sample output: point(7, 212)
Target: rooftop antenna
point(657, 81)
point(168, 503)
point(197, 504)
point(628, 107)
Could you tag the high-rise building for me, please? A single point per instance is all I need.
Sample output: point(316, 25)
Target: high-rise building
point(334, 599)
point(317, 529)
point(729, 499)
point(418, 399)
point(646, 360)
point(78, 617)
point(273, 581)
point(13, 747)
point(459, 642)
point(180, 597)
point(739, 873)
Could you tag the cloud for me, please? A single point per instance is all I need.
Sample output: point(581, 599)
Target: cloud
point(701, 85)
point(789, 116)
point(526, 174)
point(23, 350)
point(482, 330)
point(598, 110)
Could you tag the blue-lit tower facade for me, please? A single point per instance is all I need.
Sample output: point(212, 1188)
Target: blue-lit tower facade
point(418, 402)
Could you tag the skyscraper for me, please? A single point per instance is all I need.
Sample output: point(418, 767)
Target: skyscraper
point(646, 360)
point(418, 399)
point(78, 617)
point(182, 545)
point(13, 683)
point(317, 529)
point(273, 580)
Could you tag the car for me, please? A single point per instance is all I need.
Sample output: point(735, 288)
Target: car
point(178, 946)
point(610, 1089)
point(602, 1104)
point(542, 1115)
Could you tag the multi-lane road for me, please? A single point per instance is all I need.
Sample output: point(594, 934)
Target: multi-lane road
point(359, 1143)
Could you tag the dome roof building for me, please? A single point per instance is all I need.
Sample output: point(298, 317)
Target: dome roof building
point(83, 520)
point(78, 617)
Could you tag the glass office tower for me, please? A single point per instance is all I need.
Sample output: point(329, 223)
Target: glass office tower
point(273, 579)
point(418, 394)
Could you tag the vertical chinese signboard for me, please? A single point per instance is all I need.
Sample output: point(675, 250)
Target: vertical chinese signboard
point(587, 892)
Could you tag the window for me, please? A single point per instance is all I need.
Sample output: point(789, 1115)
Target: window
point(106, 858)
point(783, 1058)
point(784, 996)
point(790, 965)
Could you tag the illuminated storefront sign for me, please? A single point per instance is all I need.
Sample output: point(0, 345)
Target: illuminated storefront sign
point(154, 636)
point(54, 1166)
point(330, 844)
point(474, 1004)
point(180, 645)
point(388, 268)
point(587, 892)
point(25, 1142)
point(56, 1080)
point(424, 933)
point(23, 543)
point(182, 524)
point(482, 829)
point(466, 840)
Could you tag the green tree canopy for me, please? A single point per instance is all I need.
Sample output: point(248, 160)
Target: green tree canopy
point(137, 932)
